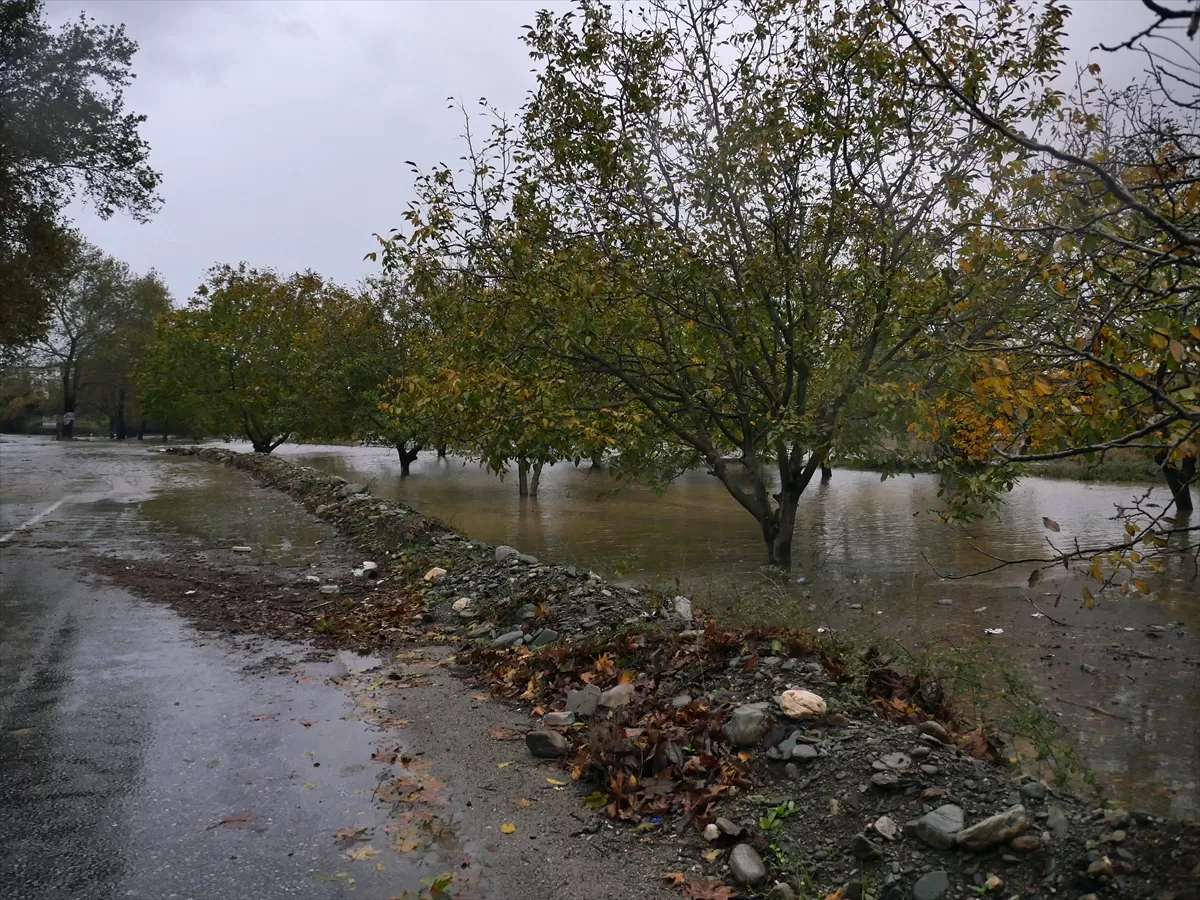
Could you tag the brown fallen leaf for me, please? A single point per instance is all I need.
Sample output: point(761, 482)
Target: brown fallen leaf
point(395, 723)
point(308, 723)
point(263, 717)
point(502, 734)
point(708, 890)
point(235, 820)
point(367, 852)
point(522, 802)
point(674, 878)
point(349, 834)
point(387, 757)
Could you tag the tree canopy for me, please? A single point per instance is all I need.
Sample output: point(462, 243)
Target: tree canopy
point(64, 133)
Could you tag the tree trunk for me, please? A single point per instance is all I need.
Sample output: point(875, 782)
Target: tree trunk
point(407, 457)
point(120, 416)
point(1179, 478)
point(523, 477)
point(141, 429)
point(778, 527)
point(826, 472)
point(68, 383)
point(598, 461)
point(441, 451)
point(533, 482)
point(264, 446)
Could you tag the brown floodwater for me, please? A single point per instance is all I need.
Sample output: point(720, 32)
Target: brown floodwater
point(1126, 691)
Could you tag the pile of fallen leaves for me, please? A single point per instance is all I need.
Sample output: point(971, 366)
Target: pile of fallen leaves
point(653, 759)
point(367, 617)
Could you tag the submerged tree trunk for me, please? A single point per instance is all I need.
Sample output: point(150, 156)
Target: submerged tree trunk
point(441, 451)
point(533, 481)
point(776, 515)
point(119, 418)
point(523, 477)
point(259, 446)
point(826, 472)
point(778, 527)
point(68, 383)
point(407, 457)
point(1179, 479)
point(141, 429)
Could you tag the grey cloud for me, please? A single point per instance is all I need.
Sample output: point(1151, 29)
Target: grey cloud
point(281, 128)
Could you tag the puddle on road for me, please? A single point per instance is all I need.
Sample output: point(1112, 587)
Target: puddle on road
point(220, 511)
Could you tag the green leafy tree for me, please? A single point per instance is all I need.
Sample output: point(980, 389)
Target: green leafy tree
point(744, 214)
point(64, 133)
point(86, 313)
point(1094, 215)
point(113, 387)
point(247, 356)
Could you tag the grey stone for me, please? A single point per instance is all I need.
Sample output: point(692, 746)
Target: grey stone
point(505, 553)
point(546, 636)
point(584, 702)
point(746, 866)
point(683, 609)
point(556, 719)
point(781, 891)
point(920, 752)
point(546, 744)
point(527, 612)
point(617, 695)
point(927, 769)
point(804, 752)
point(934, 730)
point(864, 849)
point(994, 830)
point(745, 725)
point(1056, 821)
point(480, 630)
point(712, 832)
point(729, 828)
point(898, 762)
point(938, 828)
point(681, 701)
point(329, 589)
point(1033, 790)
point(886, 781)
point(509, 638)
point(528, 559)
point(349, 490)
point(792, 770)
point(931, 886)
point(572, 572)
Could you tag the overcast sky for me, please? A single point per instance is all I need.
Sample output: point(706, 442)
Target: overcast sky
point(281, 128)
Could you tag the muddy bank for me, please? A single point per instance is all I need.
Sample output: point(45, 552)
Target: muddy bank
point(672, 727)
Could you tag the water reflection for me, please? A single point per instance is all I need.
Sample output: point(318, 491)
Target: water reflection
point(860, 541)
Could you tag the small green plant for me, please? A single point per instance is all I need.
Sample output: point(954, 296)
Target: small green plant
point(324, 626)
point(777, 814)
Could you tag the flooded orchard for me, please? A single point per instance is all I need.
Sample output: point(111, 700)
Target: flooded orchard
point(1123, 677)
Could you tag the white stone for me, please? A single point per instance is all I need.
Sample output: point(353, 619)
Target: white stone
point(435, 573)
point(461, 604)
point(798, 704)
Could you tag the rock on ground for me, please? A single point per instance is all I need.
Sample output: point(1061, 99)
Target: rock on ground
point(546, 744)
point(994, 830)
point(746, 866)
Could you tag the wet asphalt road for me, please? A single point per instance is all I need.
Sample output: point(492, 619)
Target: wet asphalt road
point(141, 758)
point(126, 738)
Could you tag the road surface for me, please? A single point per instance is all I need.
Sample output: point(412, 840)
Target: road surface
point(142, 758)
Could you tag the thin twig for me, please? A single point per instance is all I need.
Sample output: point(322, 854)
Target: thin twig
point(1046, 614)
